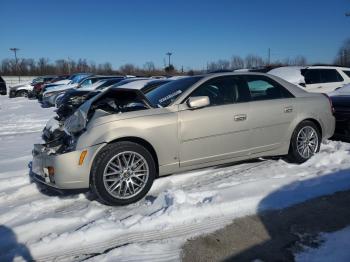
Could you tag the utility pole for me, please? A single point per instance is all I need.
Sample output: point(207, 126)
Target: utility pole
point(169, 54)
point(268, 56)
point(15, 49)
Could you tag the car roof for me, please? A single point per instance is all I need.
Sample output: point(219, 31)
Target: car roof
point(327, 67)
point(294, 89)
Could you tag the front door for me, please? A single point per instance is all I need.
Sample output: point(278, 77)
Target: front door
point(219, 131)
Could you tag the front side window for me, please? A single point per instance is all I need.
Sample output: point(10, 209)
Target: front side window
point(264, 88)
point(223, 90)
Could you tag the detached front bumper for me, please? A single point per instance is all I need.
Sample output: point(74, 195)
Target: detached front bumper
point(63, 171)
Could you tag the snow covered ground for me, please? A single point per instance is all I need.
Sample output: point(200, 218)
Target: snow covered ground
point(54, 227)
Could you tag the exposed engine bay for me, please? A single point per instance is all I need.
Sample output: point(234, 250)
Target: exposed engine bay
point(61, 133)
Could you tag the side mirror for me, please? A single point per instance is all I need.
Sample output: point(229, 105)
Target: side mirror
point(198, 102)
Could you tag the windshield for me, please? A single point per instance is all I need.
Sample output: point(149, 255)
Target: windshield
point(37, 80)
point(165, 94)
point(78, 78)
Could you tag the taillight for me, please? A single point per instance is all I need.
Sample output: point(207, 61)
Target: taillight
point(330, 102)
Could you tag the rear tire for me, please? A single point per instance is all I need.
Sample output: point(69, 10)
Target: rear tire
point(122, 173)
point(305, 142)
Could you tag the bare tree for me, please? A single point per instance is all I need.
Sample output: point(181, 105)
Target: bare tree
point(237, 62)
point(300, 61)
point(343, 56)
point(149, 66)
point(253, 61)
point(223, 64)
point(127, 69)
point(42, 65)
point(107, 68)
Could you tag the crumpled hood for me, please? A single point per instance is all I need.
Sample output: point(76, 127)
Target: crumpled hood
point(79, 119)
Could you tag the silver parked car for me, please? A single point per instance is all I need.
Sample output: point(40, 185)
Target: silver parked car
point(119, 141)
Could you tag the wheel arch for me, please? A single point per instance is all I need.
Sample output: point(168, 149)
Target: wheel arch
point(313, 120)
point(316, 122)
point(142, 142)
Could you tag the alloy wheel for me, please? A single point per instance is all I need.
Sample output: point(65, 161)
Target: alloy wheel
point(307, 142)
point(125, 175)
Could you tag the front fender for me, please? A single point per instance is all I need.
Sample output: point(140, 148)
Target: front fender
point(158, 130)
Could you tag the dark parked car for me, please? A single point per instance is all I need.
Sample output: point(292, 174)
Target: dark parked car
point(72, 79)
point(341, 104)
point(3, 90)
point(81, 92)
point(49, 96)
point(47, 80)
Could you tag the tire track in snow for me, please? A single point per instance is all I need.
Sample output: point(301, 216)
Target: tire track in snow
point(180, 231)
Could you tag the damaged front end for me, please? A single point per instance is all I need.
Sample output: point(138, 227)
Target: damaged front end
point(58, 162)
point(62, 132)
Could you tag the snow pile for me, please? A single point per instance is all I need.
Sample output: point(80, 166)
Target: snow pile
point(291, 74)
point(73, 227)
point(335, 247)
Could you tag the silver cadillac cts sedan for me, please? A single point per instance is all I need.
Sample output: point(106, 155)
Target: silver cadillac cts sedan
point(119, 141)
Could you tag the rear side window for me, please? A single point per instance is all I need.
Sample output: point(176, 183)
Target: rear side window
point(330, 76)
point(347, 73)
point(316, 76)
point(264, 88)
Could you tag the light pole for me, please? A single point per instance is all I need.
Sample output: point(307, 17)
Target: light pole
point(169, 54)
point(15, 49)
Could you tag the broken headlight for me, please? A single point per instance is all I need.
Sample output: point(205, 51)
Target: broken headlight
point(75, 123)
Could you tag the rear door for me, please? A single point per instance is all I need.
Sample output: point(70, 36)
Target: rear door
point(271, 112)
point(219, 131)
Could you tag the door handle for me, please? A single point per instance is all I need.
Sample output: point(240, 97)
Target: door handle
point(240, 117)
point(288, 109)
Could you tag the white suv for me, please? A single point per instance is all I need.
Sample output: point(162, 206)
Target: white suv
point(320, 79)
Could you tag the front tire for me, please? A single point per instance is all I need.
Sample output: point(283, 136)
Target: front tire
point(305, 142)
point(22, 93)
point(122, 173)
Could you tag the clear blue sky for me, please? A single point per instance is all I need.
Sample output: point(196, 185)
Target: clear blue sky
point(195, 31)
